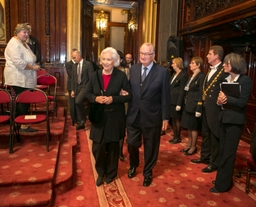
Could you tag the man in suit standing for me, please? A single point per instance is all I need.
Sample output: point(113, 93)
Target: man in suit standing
point(148, 112)
point(129, 60)
point(69, 66)
point(81, 72)
point(33, 44)
point(210, 122)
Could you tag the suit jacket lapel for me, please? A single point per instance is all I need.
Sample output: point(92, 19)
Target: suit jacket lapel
point(150, 78)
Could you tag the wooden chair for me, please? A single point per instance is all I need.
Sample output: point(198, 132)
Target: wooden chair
point(250, 163)
point(32, 96)
point(6, 116)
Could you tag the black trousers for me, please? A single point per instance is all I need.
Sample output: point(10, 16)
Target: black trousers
point(82, 105)
point(210, 143)
point(72, 107)
point(228, 147)
point(106, 158)
point(151, 140)
point(21, 109)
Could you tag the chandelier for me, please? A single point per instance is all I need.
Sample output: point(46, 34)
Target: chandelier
point(101, 23)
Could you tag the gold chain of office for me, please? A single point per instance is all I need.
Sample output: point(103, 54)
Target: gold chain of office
point(213, 81)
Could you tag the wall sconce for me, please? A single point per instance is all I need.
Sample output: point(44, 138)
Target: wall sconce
point(101, 23)
point(132, 25)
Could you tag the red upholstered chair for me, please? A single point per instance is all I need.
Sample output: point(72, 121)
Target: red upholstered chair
point(40, 73)
point(51, 82)
point(33, 96)
point(6, 115)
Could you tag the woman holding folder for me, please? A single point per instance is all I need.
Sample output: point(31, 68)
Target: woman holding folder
point(232, 118)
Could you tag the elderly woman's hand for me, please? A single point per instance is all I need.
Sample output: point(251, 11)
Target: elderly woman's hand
point(123, 93)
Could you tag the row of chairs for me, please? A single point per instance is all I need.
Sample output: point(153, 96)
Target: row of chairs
point(41, 103)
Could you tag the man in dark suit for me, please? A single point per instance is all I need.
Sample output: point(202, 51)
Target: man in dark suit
point(69, 66)
point(129, 60)
point(148, 112)
point(210, 123)
point(33, 44)
point(81, 72)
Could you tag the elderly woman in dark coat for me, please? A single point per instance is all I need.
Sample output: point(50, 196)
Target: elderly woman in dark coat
point(111, 128)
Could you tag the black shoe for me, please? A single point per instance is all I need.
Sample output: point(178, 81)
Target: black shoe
point(28, 130)
point(171, 140)
point(121, 157)
point(176, 141)
point(214, 190)
point(131, 172)
point(162, 132)
point(200, 160)
point(185, 150)
point(209, 169)
point(194, 152)
point(80, 127)
point(213, 182)
point(147, 181)
point(109, 180)
point(74, 123)
point(99, 181)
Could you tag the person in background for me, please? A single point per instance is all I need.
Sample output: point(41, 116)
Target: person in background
point(20, 68)
point(129, 60)
point(148, 112)
point(193, 105)
point(232, 120)
point(82, 71)
point(123, 67)
point(177, 85)
point(210, 122)
point(69, 67)
point(33, 44)
point(111, 128)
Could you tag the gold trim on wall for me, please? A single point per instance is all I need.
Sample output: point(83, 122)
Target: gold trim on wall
point(73, 26)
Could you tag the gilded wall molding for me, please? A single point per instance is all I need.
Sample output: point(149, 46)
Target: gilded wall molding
point(73, 26)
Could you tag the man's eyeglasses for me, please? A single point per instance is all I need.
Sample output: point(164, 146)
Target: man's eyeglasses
point(145, 54)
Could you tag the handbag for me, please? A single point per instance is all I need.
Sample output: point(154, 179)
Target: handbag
point(96, 109)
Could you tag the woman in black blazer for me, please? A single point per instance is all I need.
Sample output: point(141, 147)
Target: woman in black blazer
point(232, 119)
point(177, 84)
point(111, 128)
point(193, 105)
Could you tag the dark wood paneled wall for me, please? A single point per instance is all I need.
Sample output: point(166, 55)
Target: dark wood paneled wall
point(48, 19)
point(231, 24)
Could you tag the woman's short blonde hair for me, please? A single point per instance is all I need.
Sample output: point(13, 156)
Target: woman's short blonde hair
point(20, 27)
point(179, 62)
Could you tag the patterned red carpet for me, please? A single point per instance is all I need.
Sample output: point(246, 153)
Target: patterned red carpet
point(176, 182)
point(65, 177)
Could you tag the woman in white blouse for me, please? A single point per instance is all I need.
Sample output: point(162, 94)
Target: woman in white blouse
point(20, 68)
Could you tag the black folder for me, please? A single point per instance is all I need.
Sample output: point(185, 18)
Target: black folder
point(230, 89)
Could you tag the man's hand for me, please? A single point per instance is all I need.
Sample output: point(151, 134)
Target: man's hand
point(164, 125)
point(72, 94)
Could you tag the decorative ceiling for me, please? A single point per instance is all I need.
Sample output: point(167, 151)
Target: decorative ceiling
point(114, 3)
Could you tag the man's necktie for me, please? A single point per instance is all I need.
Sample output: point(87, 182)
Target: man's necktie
point(144, 74)
point(78, 73)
